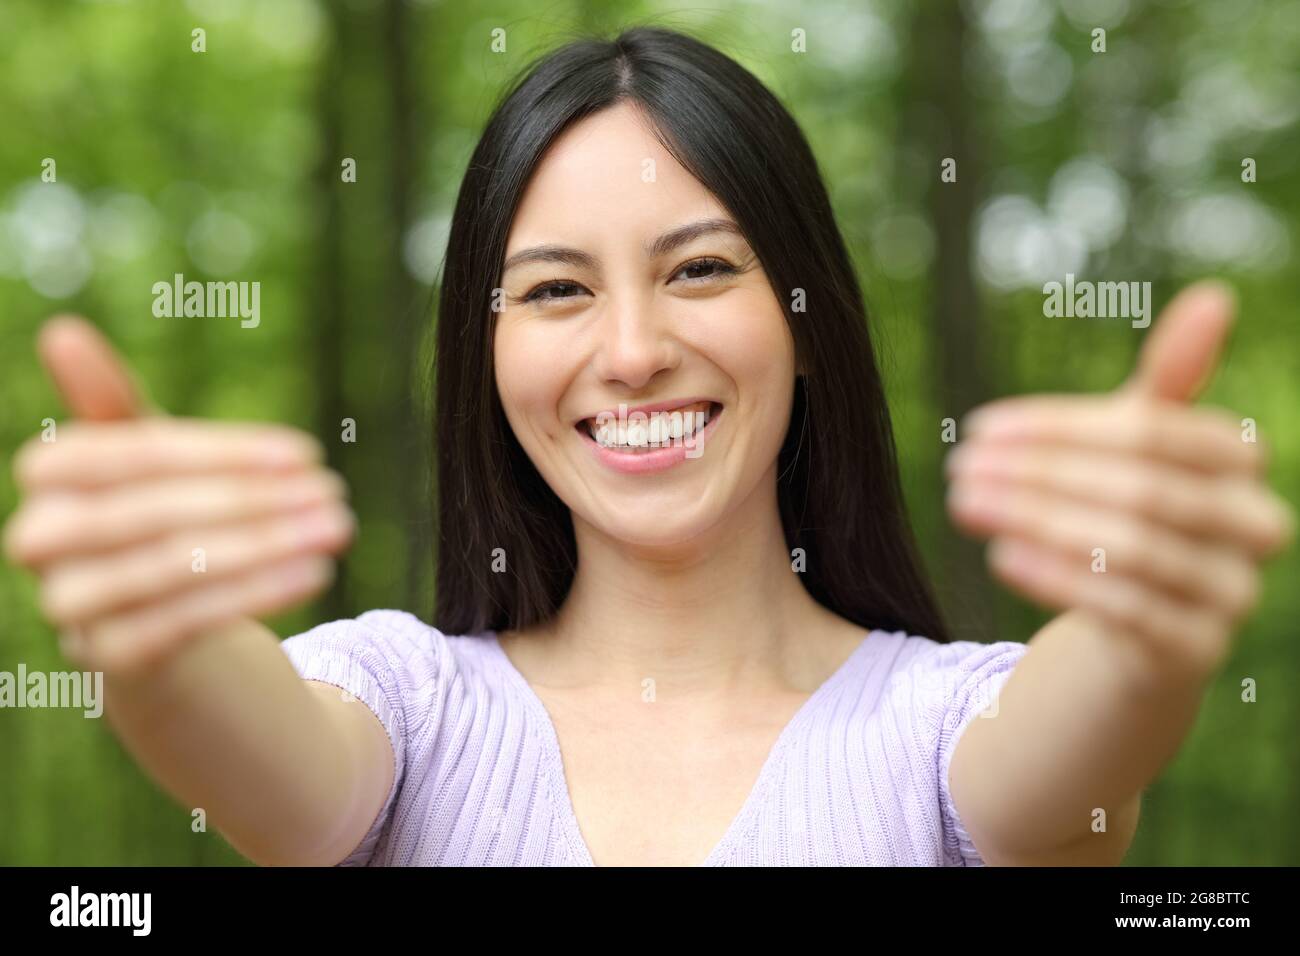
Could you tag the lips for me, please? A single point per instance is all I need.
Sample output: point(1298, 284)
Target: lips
point(639, 461)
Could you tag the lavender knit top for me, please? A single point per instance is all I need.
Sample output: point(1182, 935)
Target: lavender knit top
point(859, 776)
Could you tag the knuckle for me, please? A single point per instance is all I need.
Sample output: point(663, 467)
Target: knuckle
point(16, 534)
point(1127, 603)
point(121, 642)
point(1208, 640)
point(1242, 587)
point(154, 450)
point(314, 449)
point(30, 462)
point(150, 571)
point(283, 535)
point(1249, 513)
point(1148, 493)
point(305, 445)
point(64, 597)
point(1221, 419)
point(334, 483)
point(348, 526)
point(41, 526)
point(1131, 545)
point(154, 430)
point(1144, 426)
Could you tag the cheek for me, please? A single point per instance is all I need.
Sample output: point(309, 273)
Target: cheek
point(530, 378)
point(751, 342)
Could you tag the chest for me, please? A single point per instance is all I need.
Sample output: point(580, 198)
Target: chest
point(651, 791)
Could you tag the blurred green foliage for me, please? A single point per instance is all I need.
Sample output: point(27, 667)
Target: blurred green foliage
point(225, 164)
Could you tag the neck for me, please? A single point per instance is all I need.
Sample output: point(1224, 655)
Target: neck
point(723, 613)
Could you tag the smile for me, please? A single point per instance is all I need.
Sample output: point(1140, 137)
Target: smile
point(650, 438)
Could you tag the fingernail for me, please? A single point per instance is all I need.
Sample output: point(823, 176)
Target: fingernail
point(320, 527)
point(977, 501)
point(1013, 556)
point(990, 421)
point(955, 458)
point(288, 450)
point(977, 420)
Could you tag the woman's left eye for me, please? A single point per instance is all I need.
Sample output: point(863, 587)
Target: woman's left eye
point(718, 268)
point(553, 291)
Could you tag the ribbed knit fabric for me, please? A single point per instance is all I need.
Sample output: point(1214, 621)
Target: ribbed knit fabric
point(859, 776)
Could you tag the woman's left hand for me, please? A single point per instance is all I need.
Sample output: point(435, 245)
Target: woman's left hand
point(1131, 506)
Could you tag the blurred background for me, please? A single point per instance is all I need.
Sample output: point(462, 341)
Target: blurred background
point(229, 164)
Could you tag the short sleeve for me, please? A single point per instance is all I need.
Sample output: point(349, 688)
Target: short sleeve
point(970, 679)
point(372, 658)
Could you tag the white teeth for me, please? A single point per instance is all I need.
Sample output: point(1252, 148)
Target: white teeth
point(660, 429)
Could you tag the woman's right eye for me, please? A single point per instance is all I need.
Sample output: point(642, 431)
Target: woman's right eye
point(539, 294)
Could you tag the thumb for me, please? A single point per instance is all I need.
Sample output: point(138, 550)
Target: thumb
point(89, 374)
point(1181, 351)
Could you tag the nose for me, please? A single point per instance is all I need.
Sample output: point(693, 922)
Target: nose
point(636, 342)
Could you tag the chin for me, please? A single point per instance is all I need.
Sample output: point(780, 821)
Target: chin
point(667, 526)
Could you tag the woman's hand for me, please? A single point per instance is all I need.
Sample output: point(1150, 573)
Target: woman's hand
point(146, 530)
point(1132, 506)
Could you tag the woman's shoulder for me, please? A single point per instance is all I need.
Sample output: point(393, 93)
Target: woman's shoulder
point(945, 676)
point(394, 646)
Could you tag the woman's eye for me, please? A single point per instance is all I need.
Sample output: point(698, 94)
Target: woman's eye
point(563, 290)
point(703, 270)
point(699, 271)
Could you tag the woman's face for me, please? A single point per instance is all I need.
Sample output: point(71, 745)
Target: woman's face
point(609, 301)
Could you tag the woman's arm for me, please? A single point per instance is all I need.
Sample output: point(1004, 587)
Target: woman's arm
point(1079, 727)
point(156, 542)
point(290, 771)
point(1145, 520)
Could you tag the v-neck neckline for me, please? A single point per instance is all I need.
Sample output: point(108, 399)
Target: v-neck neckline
point(740, 825)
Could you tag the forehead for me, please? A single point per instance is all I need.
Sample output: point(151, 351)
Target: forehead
point(608, 177)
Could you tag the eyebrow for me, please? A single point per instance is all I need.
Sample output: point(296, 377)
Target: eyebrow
point(664, 244)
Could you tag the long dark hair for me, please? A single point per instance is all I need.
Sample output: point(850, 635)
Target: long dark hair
point(838, 486)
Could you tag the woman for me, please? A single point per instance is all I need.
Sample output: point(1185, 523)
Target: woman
point(680, 618)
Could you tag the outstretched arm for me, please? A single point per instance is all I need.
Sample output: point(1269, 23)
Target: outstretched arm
point(1144, 520)
point(201, 694)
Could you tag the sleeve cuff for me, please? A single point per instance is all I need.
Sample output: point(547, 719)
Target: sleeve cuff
point(976, 694)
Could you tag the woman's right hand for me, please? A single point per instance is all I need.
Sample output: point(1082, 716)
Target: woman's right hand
point(146, 530)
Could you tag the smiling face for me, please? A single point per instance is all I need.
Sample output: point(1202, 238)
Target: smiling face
point(628, 284)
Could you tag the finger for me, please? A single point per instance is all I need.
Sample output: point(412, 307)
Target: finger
point(1102, 541)
point(56, 525)
point(73, 646)
point(79, 592)
point(1204, 439)
point(1181, 351)
point(1184, 636)
point(141, 638)
point(90, 376)
point(1230, 509)
point(96, 454)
